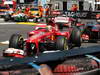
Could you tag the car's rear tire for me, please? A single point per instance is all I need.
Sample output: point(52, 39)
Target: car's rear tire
point(62, 43)
point(76, 37)
point(16, 41)
point(7, 18)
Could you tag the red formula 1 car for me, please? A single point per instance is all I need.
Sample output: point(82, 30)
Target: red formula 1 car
point(68, 24)
point(91, 32)
point(47, 38)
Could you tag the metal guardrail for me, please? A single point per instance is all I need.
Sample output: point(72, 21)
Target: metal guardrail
point(50, 57)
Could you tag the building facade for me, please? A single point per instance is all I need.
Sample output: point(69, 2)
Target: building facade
point(97, 5)
point(83, 5)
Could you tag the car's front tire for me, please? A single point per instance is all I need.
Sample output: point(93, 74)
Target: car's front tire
point(7, 18)
point(62, 43)
point(16, 41)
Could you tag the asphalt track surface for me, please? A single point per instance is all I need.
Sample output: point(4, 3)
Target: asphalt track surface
point(8, 28)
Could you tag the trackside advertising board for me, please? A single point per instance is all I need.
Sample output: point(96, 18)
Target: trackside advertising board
point(77, 14)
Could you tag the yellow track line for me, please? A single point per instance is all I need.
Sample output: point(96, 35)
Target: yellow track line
point(28, 23)
point(31, 23)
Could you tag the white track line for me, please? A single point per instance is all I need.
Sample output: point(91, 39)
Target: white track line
point(51, 51)
point(7, 23)
point(4, 42)
point(41, 24)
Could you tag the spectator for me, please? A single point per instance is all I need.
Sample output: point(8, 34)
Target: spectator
point(27, 10)
point(40, 11)
point(46, 10)
point(74, 7)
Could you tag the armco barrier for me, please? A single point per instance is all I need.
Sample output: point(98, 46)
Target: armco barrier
point(71, 62)
point(70, 66)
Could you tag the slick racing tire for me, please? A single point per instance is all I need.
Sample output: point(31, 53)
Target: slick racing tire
point(7, 18)
point(16, 41)
point(62, 43)
point(15, 19)
point(76, 37)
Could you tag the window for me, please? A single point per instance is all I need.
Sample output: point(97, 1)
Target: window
point(97, 4)
point(56, 6)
